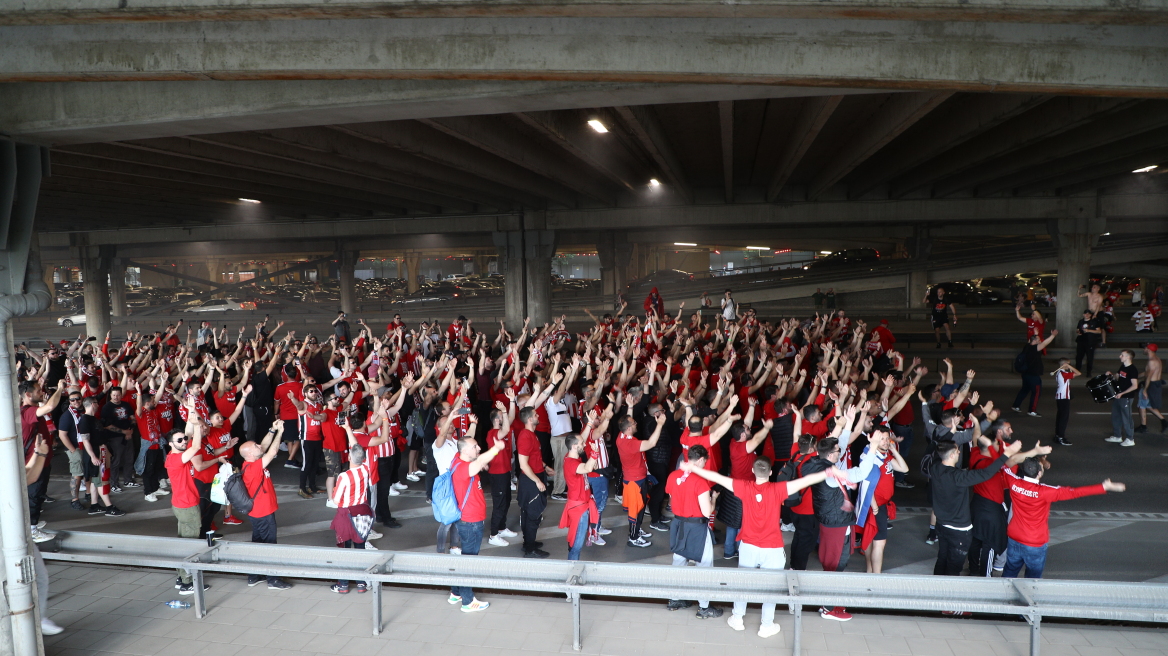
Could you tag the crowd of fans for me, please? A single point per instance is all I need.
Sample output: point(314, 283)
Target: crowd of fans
point(701, 421)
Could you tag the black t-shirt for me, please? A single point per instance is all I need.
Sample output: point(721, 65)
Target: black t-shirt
point(1084, 326)
point(117, 415)
point(1033, 360)
point(940, 309)
point(1124, 378)
point(67, 424)
point(87, 425)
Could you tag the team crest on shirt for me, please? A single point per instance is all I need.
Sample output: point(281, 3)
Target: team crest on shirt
point(758, 498)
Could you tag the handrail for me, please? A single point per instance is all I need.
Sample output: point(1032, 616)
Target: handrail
point(1033, 599)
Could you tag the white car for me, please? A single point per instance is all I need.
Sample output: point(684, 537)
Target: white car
point(221, 305)
point(71, 320)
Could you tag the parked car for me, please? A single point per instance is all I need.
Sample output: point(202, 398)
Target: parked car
point(661, 277)
point(71, 320)
point(222, 305)
point(432, 291)
point(966, 294)
point(845, 258)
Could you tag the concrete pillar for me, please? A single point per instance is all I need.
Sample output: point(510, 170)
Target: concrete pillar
point(348, 265)
point(1074, 238)
point(117, 282)
point(614, 253)
point(917, 285)
point(95, 266)
point(513, 267)
point(539, 247)
point(412, 261)
point(481, 263)
point(49, 270)
point(215, 271)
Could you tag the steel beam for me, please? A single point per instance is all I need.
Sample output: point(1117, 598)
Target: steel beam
point(807, 126)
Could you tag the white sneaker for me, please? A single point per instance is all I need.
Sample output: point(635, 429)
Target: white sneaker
point(400, 486)
point(393, 492)
point(1113, 438)
point(603, 531)
point(508, 533)
point(619, 499)
point(413, 478)
point(1128, 442)
point(787, 528)
point(330, 504)
point(370, 546)
point(41, 536)
point(456, 551)
point(83, 487)
point(735, 622)
point(599, 541)
point(41, 524)
point(374, 535)
point(152, 497)
point(49, 627)
point(161, 492)
point(498, 541)
point(766, 631)
point(164, 484)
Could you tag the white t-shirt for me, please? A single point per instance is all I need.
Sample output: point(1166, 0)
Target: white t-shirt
point(558, 417)
point(728, 312)
point(444, 455)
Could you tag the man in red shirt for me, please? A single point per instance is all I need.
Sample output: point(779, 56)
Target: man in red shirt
point(312, 439)
point(635, 471)
point(33, 410)
point(689, 532)
point(219, 437)
point(185, 453)
point(580, 514)
point(532, 484)
point(499, 472)
point(1029, 532)
point(334, 442)
point(464, 475)
point(762, 540)
point(289, 400)
point(257, 482)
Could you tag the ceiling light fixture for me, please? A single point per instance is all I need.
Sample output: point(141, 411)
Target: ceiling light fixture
point(249, 200)
point(1146, 169)
point(654, 182)
point(598, 126)
point(825, 252)
point(682, 243)
point(758, 248)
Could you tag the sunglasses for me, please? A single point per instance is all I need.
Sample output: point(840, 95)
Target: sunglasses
point(74, 398)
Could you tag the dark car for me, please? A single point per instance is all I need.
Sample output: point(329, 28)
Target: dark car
point(661, 277)
point(966, 294)
point(845, 258)
point(433, 291)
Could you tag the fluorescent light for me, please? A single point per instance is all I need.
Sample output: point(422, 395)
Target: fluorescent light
point(249, 200)
point(758, 248)
point(654, 182)
point(1105, 234)
point(1146, 169)
point(825, 252)
point(682, 243)
point(598, 126)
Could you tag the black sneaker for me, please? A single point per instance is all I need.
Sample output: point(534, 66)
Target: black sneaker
point(96, 509)
point(1163, 425)
point(709, 612)
point(1062, 441)
point(49, 499)
point(132, 484)
point(189, 588)
point(677, 604)
point(932, 537)
point(658, 526)
point(537, 553)
point(339, 589)
point(76, 505)
point(1142, 428)
point(559, 497)
point(178, 582)
point(362, 587)
point(113, 511)
point(254, 580)
point(391, 523)
point(537, 544)
point(278, 584)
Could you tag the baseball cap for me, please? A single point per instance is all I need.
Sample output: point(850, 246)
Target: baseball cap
point(1152, 347)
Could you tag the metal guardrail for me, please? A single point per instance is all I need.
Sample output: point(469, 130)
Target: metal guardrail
point(1032, 599)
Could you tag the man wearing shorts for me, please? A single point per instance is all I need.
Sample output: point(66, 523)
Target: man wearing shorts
point(67, 432)
point(1149, 397)
point(941, 310)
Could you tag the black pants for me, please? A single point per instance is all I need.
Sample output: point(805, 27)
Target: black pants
point(545, 448)
point(1063, 416)
point(152, 470)
point(500, 501)
point(659, 471)
point(1085, 350)
point(431, 467)
point(207, 510)
point(531, 505)
point(263, 530)
point(952, 550)
point(37, 493)
point(806, 538)
point(635, 522)
point(392, 464)
point(121, 459)
point(311, 452)
point(384, 467)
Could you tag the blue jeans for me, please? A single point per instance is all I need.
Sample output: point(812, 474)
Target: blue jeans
point(581, 536)
point(599, 487)
point(1018, 554)
point(731, 546)
point(471, 534)
point(140, 462)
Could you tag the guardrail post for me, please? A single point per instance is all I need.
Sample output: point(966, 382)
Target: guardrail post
point(1035, 622)
point(797, 640)
point(375, 588)
point(576, 621)
point(200, 598)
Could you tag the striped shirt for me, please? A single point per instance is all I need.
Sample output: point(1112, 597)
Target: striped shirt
point(1143, 319)
point(352, 487)
point(596, 448)
point(1062, 381)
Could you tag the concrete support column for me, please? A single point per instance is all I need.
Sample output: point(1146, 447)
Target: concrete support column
point(1074, 240)
point(215, 271)
point(482, 262)
point(614, 253)
point(117, 282)
point(347, 268)
point(539, 248)
point(95, 266)
point(412, 261)
point(916, 286)
point(513, 267)
point(49, 270)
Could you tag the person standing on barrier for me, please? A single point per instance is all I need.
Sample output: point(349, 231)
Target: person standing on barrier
point(1029, 531)
point(761, 540)
point(185, 453)
point(354, 518)
point(465, 477)
point(689, 532)
point(1127, 378)
point(258, 483)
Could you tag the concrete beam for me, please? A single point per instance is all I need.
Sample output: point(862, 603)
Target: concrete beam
point(1157, 271)
point(1097, 12)
point(726, 132)
point(951, 125)
point(602, 152)
point(812, 117)
point(643, 123)
point(1035, 58)
point(896, 115)
point(1122, 156)
point(1048, 120)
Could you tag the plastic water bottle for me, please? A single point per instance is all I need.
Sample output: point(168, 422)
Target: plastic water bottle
point(176, 604)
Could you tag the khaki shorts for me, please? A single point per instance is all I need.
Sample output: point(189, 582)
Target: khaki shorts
point(76, 466)
point(332, 463)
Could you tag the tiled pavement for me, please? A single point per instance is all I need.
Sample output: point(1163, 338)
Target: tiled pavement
point(109, 611)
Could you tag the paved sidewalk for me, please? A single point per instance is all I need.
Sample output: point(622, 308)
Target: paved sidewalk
point(110, 610)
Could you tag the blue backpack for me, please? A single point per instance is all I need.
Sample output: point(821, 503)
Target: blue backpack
point(447, 510)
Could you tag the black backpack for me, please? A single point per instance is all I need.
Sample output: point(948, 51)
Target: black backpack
point(792, 470)
point(241, 500)
point(1021, 363)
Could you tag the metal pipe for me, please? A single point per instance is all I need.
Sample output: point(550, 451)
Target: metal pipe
point(18, 567)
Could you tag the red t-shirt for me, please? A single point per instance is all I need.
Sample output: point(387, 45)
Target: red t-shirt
point(993, 489)
point(688, 440)
point(258, 483)
point(182, 481)
point(225, 402)
point(475, 508)
point(761, 505)
point(501, 463)
point(148, 428)
point(529, 446)
point(632, 458)
point(578, 489)
point(219, 437)
point(208, 475)
point(312, 427)
point(287, 408)
point(741, 461)
point(806, 506)
point(335, 438)
point(30, 426)
point(684, 489)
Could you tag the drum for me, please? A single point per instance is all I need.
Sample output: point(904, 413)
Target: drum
point(1102, 388)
